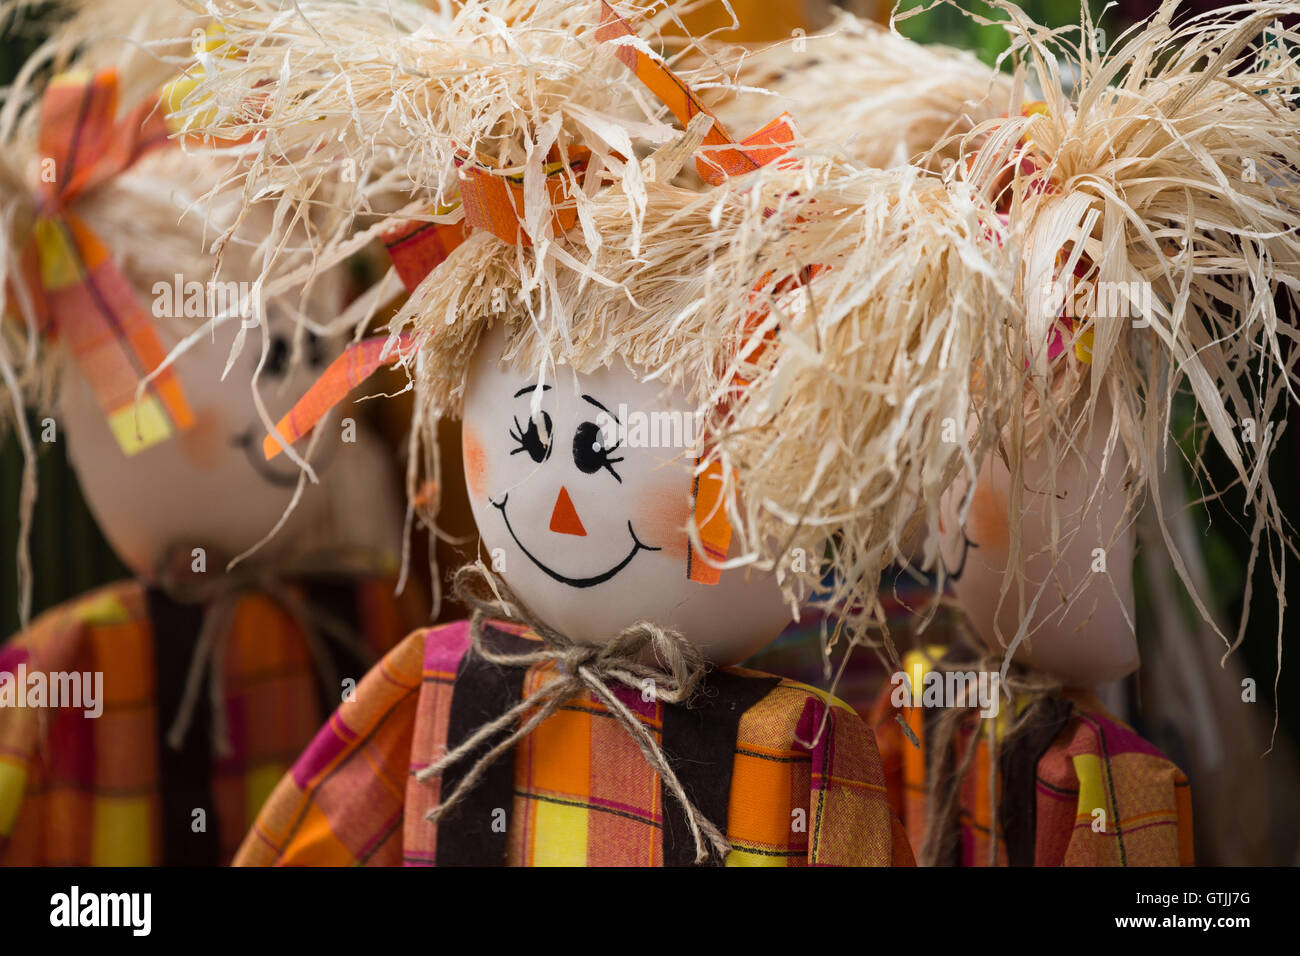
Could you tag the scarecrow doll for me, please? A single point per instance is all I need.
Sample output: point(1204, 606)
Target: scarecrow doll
point(846, 350)
point(201, 677)
point(1152, 202)
point(590, 711)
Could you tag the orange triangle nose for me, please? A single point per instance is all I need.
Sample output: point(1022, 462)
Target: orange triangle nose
point(564, 519)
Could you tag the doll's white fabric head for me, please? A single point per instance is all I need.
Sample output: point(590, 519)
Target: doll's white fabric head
point(582, 491)
point(1078, 552)
point(209, 485)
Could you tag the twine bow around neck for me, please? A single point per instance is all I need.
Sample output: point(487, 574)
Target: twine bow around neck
point(675, 677)
point(1027, 691)
point(221, 592)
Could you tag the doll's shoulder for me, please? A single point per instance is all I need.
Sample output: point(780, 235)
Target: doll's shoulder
point(425, 652)
point(1135, 798)
point(394, 684)
point(419, 669)
point(117, 608)
point(428, 656)
point(1093, 735)
point(803, 716)
point(1090, 736)
point(787, 692)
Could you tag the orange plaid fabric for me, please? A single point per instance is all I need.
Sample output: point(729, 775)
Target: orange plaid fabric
point(417, 248)
point(495, 202)
point(577, 791)
point(1077, 788)
point(107, 790)
point(83, 295)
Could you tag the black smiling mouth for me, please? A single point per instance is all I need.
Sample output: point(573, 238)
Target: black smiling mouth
point(247, 440)
point(591, 582)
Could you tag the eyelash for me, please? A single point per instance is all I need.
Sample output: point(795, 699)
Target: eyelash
point(520, 436)
point(609, 463)
point(589, 452)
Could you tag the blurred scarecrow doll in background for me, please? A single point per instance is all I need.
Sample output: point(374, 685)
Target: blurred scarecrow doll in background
point(201, 678)
point(1153, 205)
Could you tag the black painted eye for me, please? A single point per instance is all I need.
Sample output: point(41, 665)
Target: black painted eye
point(277, 358)
point(317, 354)
point(590, 453)
point(535, 441)
point(281, 351)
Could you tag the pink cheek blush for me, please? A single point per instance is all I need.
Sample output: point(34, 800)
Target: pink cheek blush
point(476, 471)
point(989, 522)
point(204, 442)
point(661, 516)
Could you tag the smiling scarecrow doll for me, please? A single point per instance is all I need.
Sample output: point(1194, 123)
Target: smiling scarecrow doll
point(590, 711)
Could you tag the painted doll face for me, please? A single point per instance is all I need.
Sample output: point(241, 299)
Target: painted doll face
point(1088, 641)
point(209, 486)
point(582, 491)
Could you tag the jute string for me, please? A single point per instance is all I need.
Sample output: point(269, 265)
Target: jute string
point(675, 676)
point(1016, 686)
point(220, 593)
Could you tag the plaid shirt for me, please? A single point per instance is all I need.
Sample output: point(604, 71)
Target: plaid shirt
point(577, 791)
point(108, 791)
point(1052, 779)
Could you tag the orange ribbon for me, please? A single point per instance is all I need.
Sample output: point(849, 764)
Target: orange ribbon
point(87, 301)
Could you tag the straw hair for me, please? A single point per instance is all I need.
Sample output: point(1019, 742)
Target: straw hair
point(1172, 164)
point(863, 89)
point(397, 93)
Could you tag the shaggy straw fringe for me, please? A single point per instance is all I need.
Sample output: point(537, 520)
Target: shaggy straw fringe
point(858, 87)
point(388, 97)
point(1171, 163)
